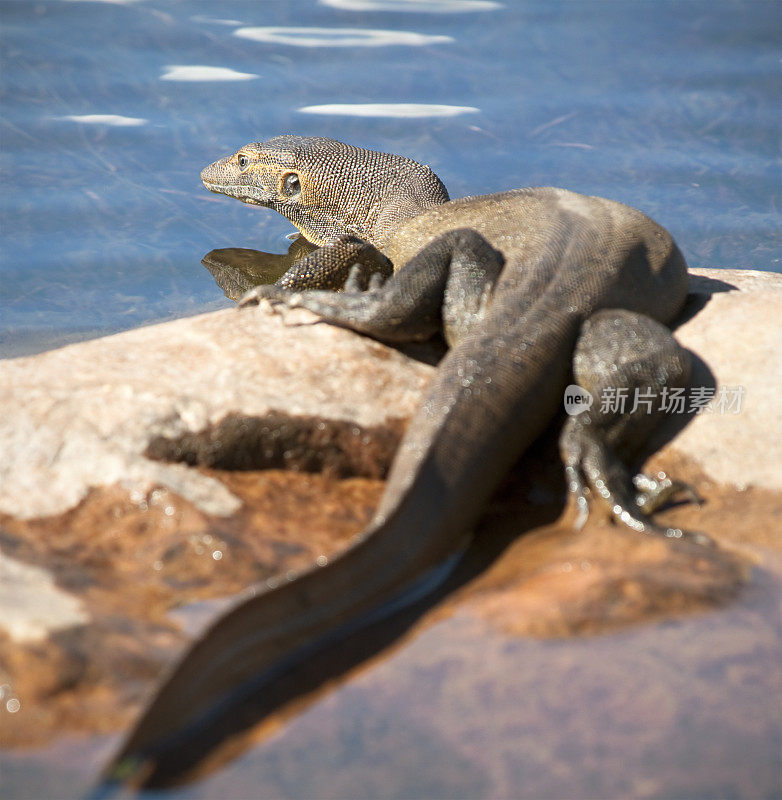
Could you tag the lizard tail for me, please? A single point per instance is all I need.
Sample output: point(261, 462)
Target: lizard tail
point(266, 651)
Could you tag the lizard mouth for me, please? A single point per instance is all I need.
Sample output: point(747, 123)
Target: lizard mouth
point(236, 190)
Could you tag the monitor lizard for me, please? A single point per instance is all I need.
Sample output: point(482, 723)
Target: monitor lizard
point(532, 289)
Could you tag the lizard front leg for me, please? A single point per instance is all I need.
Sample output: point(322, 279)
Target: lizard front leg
point(328, 267)
point(447, 286)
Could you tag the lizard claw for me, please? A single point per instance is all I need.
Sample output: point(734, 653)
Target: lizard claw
point(375, 282)
point(356, 279)
point(361, 279)
point(274, 295)
point(653, 492)
point(580, 491)
point(278, 301)
point(594, 473)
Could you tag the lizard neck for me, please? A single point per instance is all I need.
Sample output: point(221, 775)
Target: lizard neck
point(420, 191)
point(371, 196)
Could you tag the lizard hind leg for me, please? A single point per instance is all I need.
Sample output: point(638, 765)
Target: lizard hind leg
point(627, 363)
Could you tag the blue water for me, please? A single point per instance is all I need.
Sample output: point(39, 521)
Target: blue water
point(669, 106)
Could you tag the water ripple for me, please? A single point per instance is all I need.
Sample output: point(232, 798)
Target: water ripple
point(105, 119)
point(430, 6)
point(338, 37)
point(197, 72)
point(231, 23)
point(389, 110)
point(114, 2)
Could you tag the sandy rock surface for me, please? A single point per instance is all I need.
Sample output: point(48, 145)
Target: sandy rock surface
point(736, 337)
point(150, 476)
point(83, 416)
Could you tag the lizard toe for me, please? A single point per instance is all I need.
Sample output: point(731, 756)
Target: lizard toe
point(653, 492)
point(274, 295)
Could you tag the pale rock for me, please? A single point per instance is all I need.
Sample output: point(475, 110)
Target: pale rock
point(738, 336)
point(82, 416)
point(32, 606)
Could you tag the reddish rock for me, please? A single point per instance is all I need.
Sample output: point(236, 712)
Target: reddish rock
point(122, 482)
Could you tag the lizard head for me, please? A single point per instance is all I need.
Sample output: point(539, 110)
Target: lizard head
point(327, 188)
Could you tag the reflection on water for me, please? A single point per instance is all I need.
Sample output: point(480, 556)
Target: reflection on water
point(419, 6)
point(197, 72)
point(110, 110)
point(681, 708)
point(238, 269)
point(195, 617)
point(117, 120)
point(645, 713)
point(389, 110)
point(338, 37)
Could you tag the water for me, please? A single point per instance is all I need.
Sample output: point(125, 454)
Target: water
point(109, 111)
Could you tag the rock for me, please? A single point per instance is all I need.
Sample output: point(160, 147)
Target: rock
point(92, 414)
point(168, 468)
point(32, 605)
point(736, 335)
point(85, 415)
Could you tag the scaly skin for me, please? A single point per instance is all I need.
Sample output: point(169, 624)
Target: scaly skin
point(531, 287)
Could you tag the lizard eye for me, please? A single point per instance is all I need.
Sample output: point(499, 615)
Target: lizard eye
point(291, 184)
point(243, 161)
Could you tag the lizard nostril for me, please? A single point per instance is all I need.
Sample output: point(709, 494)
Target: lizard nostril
point(212, 173)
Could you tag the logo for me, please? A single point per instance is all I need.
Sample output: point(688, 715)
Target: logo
point(577, 400)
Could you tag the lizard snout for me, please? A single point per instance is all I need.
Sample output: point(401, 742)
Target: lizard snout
point(216, 174)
